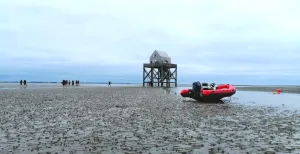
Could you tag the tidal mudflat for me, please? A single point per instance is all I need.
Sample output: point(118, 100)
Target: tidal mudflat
point(140, 120)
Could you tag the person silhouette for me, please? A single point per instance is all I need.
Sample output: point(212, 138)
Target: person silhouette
point(109, 83)
point(64, 82)
point(21, 82)
point(25, 82)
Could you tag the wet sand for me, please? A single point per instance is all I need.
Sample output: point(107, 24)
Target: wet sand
point(139, 120)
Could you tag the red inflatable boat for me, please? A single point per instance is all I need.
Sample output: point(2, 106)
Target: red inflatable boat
point(205, 92)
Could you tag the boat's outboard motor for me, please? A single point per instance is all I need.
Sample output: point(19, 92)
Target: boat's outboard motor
point(197, 86)
point(196, 91)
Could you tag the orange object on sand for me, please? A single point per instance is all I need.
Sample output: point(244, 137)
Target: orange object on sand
point(278, 91)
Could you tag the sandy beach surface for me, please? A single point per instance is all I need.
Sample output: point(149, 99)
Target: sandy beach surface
point(144, 120)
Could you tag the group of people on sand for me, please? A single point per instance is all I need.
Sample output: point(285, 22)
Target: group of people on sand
point(23, 82)
point(66, 82)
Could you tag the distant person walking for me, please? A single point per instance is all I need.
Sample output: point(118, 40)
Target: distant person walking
point(25, 83)
point(69, 82)
point(72, 82)
point(109, 83)
point(21, 82)
point(64, 82)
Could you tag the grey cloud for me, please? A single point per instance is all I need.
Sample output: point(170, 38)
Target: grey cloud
point(109, 36)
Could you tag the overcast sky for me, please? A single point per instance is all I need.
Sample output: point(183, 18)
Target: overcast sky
point(240, 40)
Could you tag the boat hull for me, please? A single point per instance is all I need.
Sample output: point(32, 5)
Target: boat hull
point(220, 92)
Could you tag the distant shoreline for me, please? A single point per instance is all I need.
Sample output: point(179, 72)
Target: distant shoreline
point(60, 82)
point(263, 88)
point(181, 84)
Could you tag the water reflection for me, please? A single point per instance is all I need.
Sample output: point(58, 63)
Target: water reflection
point(208, 102)
point(171, 91)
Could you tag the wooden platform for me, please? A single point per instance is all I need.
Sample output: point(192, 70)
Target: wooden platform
point(159, 65)
point(160, 74)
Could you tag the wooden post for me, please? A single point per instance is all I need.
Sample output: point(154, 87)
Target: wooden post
point(144, 75)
